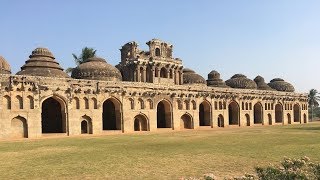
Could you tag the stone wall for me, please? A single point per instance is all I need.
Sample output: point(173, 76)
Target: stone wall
point(85, 106)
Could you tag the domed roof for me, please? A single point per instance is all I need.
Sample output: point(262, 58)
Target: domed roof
point(190, 77)
point(214, 80)
point(42, 63)
point(4, 66)
point(241, 81)
point(262, 85)
point(281, 85)
point(96, 68)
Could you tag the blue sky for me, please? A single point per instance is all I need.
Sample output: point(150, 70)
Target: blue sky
point(271, 38)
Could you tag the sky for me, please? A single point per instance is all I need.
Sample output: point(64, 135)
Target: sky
point(270, 38)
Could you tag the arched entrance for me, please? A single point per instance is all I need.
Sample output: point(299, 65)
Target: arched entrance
point(220, 121)
point(270, 119)
point(111, 115)
point(186, 122)
point(233, 113)
point(289, 118)
point(278, 113)
point(304, 118)
point(258, 113)
point(19, 128)
point(164, 118)
point(204, 114)
point(163, 73)
point(248, 119)
point(53, 116)
point(296, 113)
point(86, 125)
point(140, 123)
point(149, 74)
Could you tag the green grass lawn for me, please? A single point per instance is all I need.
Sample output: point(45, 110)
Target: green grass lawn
point(166, 155)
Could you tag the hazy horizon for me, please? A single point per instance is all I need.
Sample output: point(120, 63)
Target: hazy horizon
point(267, 38)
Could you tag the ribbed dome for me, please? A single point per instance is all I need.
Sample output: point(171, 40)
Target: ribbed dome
point(190, 77)
point(281, 85)
point(4, 66)
point(262, 85)
point(214, 80)
point(96, 68)
point(42, 63)
point(42, 52)
point(214, 75)
point(241, 81)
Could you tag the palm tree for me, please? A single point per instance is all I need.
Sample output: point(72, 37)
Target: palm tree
point(313, 99)
point(86, 53)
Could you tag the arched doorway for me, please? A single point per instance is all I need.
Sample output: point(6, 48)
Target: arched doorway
point(289, 118)
point(270, 119)
point(157, 52)
point(220, 121)
point(248, 119)
point(164, 118)
point(149, 74)
point(204, 114)
point(53, 117)
point(258, 113)
point(111, 115)
point(296, 113)
point(140, 123)
point(186, 122)
point(163, 73)
point(86, 125)
point(19, 128)
point(233, 113)
point(304, 118)
point(278, 113)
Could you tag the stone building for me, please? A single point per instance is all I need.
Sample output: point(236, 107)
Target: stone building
point(146, 91)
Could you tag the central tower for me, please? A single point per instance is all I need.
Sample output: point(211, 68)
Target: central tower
point(154, 66)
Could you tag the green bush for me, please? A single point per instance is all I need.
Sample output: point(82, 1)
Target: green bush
point(289, 169)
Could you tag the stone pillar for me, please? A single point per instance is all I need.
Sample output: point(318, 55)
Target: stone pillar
point(176, 74)
point(152, 75)
point(134, 75)
point(138, 74)
point(168, 73)
point(159, 69)
point(144, 74)
point(180, 77)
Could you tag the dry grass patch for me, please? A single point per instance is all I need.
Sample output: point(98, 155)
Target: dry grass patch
point(170, 155)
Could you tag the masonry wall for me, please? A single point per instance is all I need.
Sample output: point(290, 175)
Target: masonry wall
point(136, 106)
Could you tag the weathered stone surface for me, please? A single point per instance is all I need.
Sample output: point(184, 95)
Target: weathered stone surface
point(281, 85)
point(214, 80)
point(190, 77)
point(261, 83)
point(42, 63)
point(241, 81)
point(98, 69)
point(4, 66)
point(34, 105)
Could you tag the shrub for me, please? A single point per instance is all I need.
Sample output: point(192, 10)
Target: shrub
point(290, 169)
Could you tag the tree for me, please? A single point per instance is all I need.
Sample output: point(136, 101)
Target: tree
point(313, 98)
point(86, 53)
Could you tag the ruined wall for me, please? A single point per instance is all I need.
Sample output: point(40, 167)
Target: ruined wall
point(136, 106)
